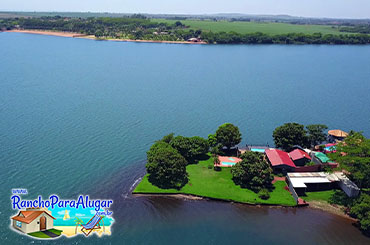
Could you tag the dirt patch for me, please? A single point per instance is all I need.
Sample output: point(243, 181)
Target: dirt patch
point(327, 207)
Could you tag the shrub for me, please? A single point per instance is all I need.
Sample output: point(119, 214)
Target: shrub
point(264, 194)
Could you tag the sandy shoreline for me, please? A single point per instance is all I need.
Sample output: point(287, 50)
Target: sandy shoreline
point(69, 231)
point(79, 35)
point(326, 207)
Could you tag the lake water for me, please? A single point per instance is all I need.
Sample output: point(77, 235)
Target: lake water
point(77, 116)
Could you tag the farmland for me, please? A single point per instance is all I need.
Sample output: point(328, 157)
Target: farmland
point(252, 27)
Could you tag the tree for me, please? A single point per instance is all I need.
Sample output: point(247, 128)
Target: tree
point(190, 148)
point(168, 138)
point(290, 134)
point(228, 135)
point(166, 167)
point(78, 222)
point(253, 172)
point(316, 133)
point(353, 154)
point(361, 210)
point(212, 140)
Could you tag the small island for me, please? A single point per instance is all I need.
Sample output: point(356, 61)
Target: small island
point(298, 172)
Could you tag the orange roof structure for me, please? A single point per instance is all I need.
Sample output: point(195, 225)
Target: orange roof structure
point(28, 216)
point(338, 133)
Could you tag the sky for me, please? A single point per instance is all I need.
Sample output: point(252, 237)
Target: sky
point(304, 8)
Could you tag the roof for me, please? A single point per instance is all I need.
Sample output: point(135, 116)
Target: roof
point(322, 157)
point(29, 216)
point(299, 154)
point(278, 157)
point(299, 180)
point(337, 133)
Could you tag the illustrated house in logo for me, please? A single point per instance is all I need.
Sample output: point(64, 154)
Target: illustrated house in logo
point(32, 220)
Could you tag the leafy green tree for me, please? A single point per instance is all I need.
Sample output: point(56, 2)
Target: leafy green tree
point(253, 172)
point(212, 140)
point(290, 134)
point(353, 154)
point(228, 135)
point(316, 133)
point(166, 167)
point(192, 148)
point(361, 210)
point(168, 138)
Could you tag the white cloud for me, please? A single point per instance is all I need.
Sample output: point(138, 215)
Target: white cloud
point(61, 212)
point(80, 215)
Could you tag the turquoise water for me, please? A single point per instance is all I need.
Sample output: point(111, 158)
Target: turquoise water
point(228, 163)
point(77, 117)
point(231, 159)
point(258, 150)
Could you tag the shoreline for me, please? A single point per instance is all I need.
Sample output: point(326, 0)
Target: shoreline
point(323, 206)
point(92, 37)
point(185, 196)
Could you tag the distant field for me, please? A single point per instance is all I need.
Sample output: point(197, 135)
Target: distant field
point(250, 27)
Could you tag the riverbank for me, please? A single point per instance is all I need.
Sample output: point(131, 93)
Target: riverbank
point(205, 182)
point(92, 37)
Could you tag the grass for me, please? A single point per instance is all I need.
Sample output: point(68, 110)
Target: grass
point(319, 196)
point(251, 27)
point(39, 234)
point(218, 184)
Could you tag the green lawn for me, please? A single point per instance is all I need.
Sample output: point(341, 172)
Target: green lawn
point(318, 196)
point(251, 27)
point(38, 234)
point(56, 232)
point(209, 183)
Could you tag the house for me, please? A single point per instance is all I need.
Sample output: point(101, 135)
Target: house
point(299, 157)
point(280, 160)
point(32, 220)
point(350, 188)
point(311, 181)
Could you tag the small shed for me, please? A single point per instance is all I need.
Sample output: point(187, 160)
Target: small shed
point(33, 220)
point(311, 181)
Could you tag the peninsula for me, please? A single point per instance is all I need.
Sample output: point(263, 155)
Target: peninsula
point(301, 170)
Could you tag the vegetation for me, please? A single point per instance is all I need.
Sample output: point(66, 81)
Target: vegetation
point(319, 195)
point(219, 184)
point(361, 210)
point(264, 194)
point(191, 148)
point(139, 27)
point(166, 167)
point(228, 135)
point(247, 27)
point(40, 234)
point(316, 133)
point(354, 155)
point(356, 29)
point(290, 134)
point(253, 172)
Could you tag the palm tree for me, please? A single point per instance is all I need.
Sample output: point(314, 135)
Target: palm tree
point(77, 222)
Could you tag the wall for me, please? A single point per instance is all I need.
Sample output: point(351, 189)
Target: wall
point(314, 168)
point(23, 229)
point(35, 224)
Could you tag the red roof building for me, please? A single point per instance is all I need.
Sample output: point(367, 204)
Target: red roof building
point(280, 160)
point(299, 157)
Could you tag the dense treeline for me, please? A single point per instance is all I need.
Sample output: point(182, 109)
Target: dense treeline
point(291, 38)
point(138, 27)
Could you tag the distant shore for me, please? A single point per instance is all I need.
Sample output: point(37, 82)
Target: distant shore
point(92, 37)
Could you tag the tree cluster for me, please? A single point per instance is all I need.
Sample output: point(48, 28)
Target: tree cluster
point(253, 172)
point(167, 159)
point(291, 134)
